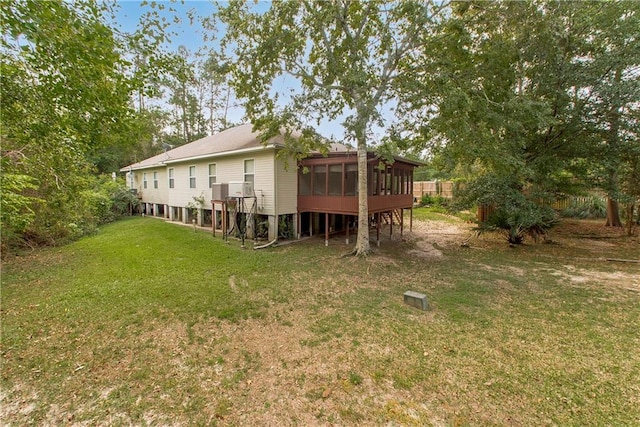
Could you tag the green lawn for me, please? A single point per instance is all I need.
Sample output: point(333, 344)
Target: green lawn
point(151, 323)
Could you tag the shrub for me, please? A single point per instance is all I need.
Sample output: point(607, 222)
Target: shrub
point(285, 227)
point(123, 201)
point(517, 218)
point(435, 201)
point(18, 207)
point(592, 207)
point(514, 214)
point(426, 200)
point(97, 206)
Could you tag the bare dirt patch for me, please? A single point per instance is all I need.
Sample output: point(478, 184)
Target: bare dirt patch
point(431, 237)
point(594, 254)
point(627, 281)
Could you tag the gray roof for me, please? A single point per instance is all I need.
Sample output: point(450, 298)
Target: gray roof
point(236, 139)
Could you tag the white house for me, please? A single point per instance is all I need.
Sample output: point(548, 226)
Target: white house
point(172, 184)
point(318, 194)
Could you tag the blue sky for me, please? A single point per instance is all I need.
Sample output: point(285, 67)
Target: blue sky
point(186, 28)
point(188, 31)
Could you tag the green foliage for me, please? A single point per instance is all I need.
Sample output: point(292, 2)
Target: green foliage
point(518, 218)
point(96, 206)
point(429, 173)
point(547, 92)
point(18, 208)
point(426, 200)
point(109, 200)
point(436, 201)
point(64, 112)
point(592, 207)
point(262, 227)
point(514, 214)
point(285, 227)
point(124, 202)
point(26, 219)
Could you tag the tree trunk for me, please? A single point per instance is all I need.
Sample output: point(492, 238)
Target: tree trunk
point(613, 213)
point(613, 142)
point(362, 242)
point(629, 218)
point(225, 123)
point(212, 128)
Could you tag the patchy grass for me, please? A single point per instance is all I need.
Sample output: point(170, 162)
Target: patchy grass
point(151, 323)
point(436, 213)
point(442, 214)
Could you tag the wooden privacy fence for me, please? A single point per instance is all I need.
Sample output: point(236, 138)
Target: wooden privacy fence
point(565, 203)
point(432, 188)
point(484, 211)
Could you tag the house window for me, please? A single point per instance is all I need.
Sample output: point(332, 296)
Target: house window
point(319, 180)
point(304, 181)
point(144, 180)
point(375, 180)
point(351, 180)
point(335, 180)
point(249, 170)
point(171, 178)
point(192, 177)
point(212, 174)
point(155, 180)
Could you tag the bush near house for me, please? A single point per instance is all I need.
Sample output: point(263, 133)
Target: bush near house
point(102, 201)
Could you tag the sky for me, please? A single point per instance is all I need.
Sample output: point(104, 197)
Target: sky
point(188, 31)
point(186, 28)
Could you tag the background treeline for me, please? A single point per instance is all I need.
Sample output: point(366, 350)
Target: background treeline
point(81, 99)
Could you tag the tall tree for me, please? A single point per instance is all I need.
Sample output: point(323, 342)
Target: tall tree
point(64, 98)
point(494, 97)
point(527, 91)
point(344, 57)
point(612, 58)
point(186, 97)
point(215, 76)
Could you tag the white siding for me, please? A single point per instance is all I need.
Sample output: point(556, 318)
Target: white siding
point(228, 168)
point(181, 194)
point(152, 195)
point(263, 185)
point(287, 178)
point(161, 194)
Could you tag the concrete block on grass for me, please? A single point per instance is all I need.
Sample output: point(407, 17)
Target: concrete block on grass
point(416, 299)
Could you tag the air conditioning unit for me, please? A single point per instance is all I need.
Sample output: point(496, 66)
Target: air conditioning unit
point(219, 191)
point(240, 189)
